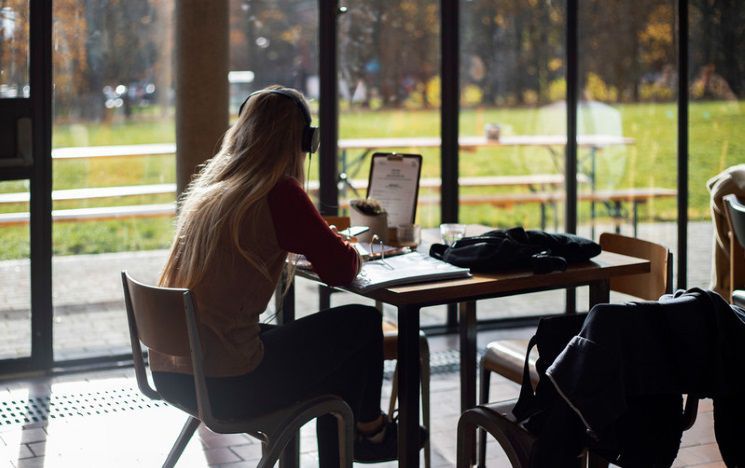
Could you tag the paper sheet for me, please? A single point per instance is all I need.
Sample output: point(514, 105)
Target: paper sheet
point(394, 182)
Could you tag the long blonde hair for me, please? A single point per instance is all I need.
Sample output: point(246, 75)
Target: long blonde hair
point(256, 152)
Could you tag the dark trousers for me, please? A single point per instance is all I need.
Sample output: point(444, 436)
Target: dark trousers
point(337, 351)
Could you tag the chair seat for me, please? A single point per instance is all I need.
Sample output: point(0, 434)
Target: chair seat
point(269, 425)
point(507, 358)
point(738, 297)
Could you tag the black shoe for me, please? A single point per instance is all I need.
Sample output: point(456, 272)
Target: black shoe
point(367, 451)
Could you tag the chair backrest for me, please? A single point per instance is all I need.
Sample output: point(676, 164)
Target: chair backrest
point(151, 310)
point(649, 286)
point(736, 216)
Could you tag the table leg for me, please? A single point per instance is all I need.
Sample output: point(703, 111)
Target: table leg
point(593, 184)
point(467, 328)
point(285, 304)
point(467, 325)
point(408, 386)
point(571, 301)
point(452, 318)
point(599, 292)
point(618, 215)
point(636, 218)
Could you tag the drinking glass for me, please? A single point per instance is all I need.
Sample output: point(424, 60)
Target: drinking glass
point(452, 232)
point(409, 234)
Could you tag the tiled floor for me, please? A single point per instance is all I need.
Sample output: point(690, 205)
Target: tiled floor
point(129, 433)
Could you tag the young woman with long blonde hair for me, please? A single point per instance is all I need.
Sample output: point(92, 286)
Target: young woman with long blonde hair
point(237, 222)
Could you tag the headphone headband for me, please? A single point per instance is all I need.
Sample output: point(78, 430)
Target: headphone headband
point(311, 137)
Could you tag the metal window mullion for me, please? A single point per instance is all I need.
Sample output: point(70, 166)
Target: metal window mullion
point(449, 118)
point(572, 78)
point(570, 153)
point(40, 202)
point(329, 106)
point(682, 43)
point(449, 111)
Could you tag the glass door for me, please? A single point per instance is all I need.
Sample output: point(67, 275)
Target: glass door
point(114, 166)
point(25, 328)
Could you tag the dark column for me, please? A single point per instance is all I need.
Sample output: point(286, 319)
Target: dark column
point(202, 89)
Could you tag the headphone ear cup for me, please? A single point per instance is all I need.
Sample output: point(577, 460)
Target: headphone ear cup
point(311, 139)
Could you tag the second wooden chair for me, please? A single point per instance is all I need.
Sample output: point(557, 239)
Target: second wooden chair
point(507, 357)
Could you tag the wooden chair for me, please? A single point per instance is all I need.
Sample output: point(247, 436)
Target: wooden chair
point(507, 357)
point(736, 219)
point(151, 309)
point(390, 349)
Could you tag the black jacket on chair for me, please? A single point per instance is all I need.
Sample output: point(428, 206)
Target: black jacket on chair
point(638, 358)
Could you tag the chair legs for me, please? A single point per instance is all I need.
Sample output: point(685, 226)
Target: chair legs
point(516, 442)
point(311, 410)
point(484, 382)
point(187, 431)
point(425, 371)
point(290, 457)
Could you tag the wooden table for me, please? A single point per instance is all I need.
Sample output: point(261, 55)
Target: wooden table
point(410, 299)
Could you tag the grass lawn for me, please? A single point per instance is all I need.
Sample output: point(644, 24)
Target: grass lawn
point(716, 133)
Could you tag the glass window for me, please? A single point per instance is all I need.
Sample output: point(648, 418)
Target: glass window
point(14, 57)
point(277, 43)
point(273, 43)
point(512, 128)
point(15, 271)
point(627, 120)
point(715, 122)
point(389, 97)
point(113, 164)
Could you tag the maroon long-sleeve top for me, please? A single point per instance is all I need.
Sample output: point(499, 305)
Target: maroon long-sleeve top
point(300, 229)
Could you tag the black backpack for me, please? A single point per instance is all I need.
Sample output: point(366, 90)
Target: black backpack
point(551, 337)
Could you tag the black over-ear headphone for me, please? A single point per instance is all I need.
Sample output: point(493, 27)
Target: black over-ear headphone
point(311, 136)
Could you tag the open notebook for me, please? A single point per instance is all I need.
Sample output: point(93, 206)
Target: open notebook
point(414, 267)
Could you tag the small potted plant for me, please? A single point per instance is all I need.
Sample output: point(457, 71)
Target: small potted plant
point(369, 212)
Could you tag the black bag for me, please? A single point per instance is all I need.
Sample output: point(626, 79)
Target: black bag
point(551, 337)
point(516, 248)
